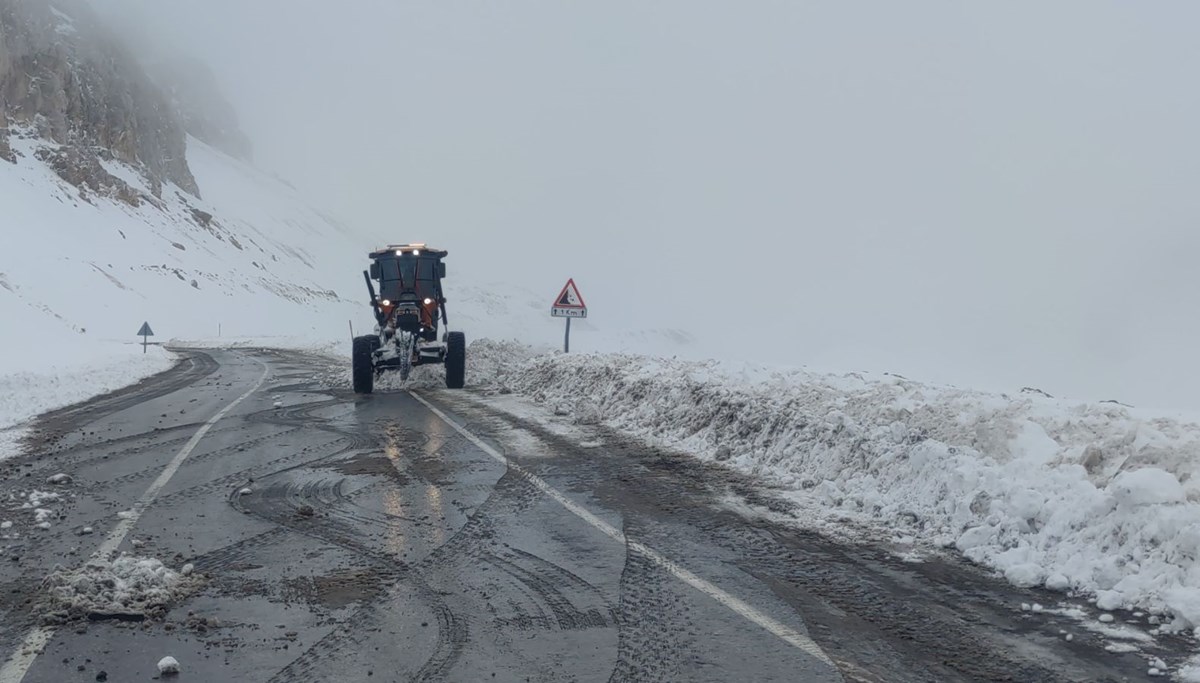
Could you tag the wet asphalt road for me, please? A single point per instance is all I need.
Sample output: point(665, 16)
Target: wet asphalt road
point(345, 538)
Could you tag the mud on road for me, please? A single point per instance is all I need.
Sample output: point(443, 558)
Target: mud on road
point(334, 537)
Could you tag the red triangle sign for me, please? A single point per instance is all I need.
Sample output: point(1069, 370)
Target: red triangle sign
point(569, 302)
point(570, 297)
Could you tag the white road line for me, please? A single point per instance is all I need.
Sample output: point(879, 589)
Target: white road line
point(741, 608)
point(19, 663)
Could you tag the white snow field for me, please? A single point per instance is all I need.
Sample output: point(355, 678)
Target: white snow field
point(1094, 498)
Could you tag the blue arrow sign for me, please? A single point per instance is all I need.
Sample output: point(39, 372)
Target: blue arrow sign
point(145, 333)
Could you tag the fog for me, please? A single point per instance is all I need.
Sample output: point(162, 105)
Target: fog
point(993, 196)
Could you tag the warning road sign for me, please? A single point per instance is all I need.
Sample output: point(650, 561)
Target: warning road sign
point(569, 303)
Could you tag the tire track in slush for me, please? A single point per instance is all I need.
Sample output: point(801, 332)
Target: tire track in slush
point(743, 609)
point(237, 553)
point(538, 582)
point(452, 631)
point(549, 582)
point(651, 619)
point(509, 494)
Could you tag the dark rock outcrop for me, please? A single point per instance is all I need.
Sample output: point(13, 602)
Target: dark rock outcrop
point(64, 78)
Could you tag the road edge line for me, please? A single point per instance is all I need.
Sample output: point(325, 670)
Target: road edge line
point(738, 606)
point(18, 664)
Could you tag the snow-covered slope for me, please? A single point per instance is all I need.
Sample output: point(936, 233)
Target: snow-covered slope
point(80, 272)
point(247, 256)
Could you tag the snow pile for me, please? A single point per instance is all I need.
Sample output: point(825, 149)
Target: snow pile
point(36, 499)
point(1088, 497)
point(128, 588)
point(489, 364)
point(168, 666)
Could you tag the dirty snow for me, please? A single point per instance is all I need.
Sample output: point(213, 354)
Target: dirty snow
point(36, 499)
point(1189, 672)
point(128, 586)
point(1121, 632)
point(1090, 497)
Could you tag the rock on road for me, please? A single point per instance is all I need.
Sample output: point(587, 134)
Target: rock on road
point(430, 536)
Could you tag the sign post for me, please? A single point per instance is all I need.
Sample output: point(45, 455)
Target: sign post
point(145, 333)
point(569, 304)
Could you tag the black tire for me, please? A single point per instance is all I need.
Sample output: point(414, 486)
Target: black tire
point(363, 364)
point(456, 360)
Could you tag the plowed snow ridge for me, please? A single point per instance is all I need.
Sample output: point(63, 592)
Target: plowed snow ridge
point(1088, 497)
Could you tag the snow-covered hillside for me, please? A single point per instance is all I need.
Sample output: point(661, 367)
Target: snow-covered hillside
point(112, 216)
point(81, 271)
point(242, 257)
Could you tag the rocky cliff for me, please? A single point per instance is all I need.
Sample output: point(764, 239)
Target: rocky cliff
point(65, 80)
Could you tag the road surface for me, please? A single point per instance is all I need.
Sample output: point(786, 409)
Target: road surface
point(429, 536)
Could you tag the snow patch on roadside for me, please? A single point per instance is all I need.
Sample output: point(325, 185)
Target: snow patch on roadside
point(128, 588)
point(1095, 498)
point(101, 368)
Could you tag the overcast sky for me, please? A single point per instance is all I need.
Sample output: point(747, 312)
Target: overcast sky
point(993, 195)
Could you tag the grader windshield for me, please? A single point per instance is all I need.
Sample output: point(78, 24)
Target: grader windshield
point(416, 276)
point(409, 272)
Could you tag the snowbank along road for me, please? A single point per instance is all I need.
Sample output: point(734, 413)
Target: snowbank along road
point(278, 529)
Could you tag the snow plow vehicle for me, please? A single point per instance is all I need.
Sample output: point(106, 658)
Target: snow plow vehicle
point(409, 310)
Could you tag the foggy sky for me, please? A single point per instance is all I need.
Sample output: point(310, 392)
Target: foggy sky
point(994, 196)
